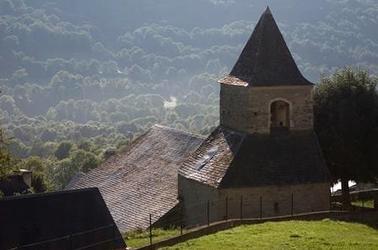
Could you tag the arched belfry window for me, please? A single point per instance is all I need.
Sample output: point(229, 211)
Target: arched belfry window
point(280, 114)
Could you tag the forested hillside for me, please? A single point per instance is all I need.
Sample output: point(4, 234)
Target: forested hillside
point(79, 77)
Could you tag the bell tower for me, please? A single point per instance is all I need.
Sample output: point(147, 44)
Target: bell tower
point(265, 90)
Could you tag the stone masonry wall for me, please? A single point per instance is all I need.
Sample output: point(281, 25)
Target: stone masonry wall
point(194, 197)
point(245, 202)
point(306, 198)
point(247, 109)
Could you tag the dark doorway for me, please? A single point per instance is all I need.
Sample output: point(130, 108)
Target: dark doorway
point(280, 114)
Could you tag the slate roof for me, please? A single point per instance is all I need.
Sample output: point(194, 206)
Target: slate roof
point(265, 59)
point(234, 159)
point(209, 163)
point(33, 218)
point(143, 179)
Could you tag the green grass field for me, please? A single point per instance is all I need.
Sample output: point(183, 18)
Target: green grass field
point(137, 239)
point(325, 234)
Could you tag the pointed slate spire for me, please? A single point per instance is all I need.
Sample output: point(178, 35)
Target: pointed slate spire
point(265, 59)
point(267, 11)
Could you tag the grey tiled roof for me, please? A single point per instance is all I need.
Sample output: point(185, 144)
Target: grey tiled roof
point(265, 59)
point(209, 163)
point(46, 217)
point(234, 159)
point(143, 179)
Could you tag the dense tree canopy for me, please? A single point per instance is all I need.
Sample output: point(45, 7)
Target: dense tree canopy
point(63, 150)
point(5, 158)
point(346, 121)
point(100, 73)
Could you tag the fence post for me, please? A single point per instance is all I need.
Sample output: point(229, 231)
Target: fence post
point(261, 212)
point(182, 219)
point(241, 207)
point(292, 204)
point(226, 208)
point(208, 213)
point(150, 229)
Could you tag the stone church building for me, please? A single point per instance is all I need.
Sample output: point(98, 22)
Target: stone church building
point(264, 150)
point(265, 145)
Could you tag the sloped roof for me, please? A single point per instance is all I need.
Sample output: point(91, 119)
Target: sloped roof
point(33, 218)
point(143, 179)
point(265, 59)
point(234, 159)
point(209, 163)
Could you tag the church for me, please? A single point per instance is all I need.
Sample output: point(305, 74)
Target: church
point(265, 145)
point(264, 150)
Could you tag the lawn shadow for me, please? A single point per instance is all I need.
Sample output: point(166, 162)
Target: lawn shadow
point(366, 216)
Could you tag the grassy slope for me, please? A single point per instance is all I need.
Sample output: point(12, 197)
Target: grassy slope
point(142, 238)
point(324, 234)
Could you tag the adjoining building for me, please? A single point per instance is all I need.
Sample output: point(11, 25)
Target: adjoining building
point(142, 180)
point(75, 219)
point(264, 149)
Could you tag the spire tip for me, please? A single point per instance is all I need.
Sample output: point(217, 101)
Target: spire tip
point(267, 11)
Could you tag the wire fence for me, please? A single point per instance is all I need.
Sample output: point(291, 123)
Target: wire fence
point(105, 237)
point(240, 207)
point(204, 213)
point(189, 217)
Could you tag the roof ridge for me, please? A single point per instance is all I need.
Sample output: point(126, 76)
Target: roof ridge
point(179, 130)
point(36, 195)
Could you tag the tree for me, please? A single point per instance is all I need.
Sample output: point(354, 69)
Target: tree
point(346, 121)
point(80, 161)
point(5, 157)
point(63, 150)
point(84, 160)
point(37, 166)
point(38, 183)
point(85, 145)
point(62, 172)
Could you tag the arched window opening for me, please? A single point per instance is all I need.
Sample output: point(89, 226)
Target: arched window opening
point(280, 114)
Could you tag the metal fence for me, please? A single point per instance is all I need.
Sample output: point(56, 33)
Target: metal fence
point(207, 212)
